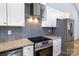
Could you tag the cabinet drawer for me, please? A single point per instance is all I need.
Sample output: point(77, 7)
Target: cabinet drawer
point(28, 48)
point(59, 41)
point(27, 51)
point(28, 54)
point(57, 47)
point(55, 42)
point(56, 51)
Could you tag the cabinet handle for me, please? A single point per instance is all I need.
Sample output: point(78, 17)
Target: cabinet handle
point(4, 22)
point(28, 48)
point(51, 25)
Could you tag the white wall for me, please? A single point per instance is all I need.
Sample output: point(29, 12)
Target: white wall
point(73, 14)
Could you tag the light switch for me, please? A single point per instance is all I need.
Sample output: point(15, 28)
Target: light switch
point(9, 32)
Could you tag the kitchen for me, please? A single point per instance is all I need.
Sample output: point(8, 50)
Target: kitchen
point(35, 29)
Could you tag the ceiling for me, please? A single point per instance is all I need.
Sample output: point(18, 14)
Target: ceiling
point(77, 6)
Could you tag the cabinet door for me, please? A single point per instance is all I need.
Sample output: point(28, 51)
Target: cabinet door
point(3, 21)
point(28, 50)
point(55, 44)
point(44, 22)
point(15, 14)
point(43, 13)
point(56, 47)
point(48, 16)
point(51, 17)
point(60, 15)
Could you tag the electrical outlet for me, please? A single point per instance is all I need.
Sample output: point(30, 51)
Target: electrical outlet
point(9, 32)
point(49, 30)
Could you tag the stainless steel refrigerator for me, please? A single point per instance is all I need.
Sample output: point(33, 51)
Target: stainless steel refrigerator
point(65, 30)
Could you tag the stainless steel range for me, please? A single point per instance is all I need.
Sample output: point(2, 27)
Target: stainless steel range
point(43, 46)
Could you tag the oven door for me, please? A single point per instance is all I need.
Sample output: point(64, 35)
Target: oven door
point(45, 52)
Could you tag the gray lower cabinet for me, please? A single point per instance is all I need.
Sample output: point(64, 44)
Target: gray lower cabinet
point(28, 50)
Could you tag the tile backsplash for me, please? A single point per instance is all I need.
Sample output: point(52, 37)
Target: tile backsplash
point(23, 32)
point(3, 33)
point(16, 33)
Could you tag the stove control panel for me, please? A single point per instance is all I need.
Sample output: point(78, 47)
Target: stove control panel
point(43, 44)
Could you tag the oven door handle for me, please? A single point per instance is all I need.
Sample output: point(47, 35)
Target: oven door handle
point(44, 47)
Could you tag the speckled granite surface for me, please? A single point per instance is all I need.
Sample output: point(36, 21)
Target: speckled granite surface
point(53, 37)
point(5, 46)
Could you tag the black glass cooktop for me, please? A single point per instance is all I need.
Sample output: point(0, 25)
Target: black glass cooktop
point(38, 39)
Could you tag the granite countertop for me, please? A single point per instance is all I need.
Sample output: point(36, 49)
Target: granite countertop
point(9, 45)
point(53, 37)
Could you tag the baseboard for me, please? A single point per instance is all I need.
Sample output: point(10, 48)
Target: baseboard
point(76, 38)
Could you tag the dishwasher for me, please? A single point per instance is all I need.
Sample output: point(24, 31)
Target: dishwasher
point(14, 52)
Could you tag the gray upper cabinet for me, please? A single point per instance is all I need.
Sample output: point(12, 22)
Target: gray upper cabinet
point(12, 14)
point(3, 21)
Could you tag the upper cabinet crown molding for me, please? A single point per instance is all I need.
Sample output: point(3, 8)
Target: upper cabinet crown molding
point(12, 14)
